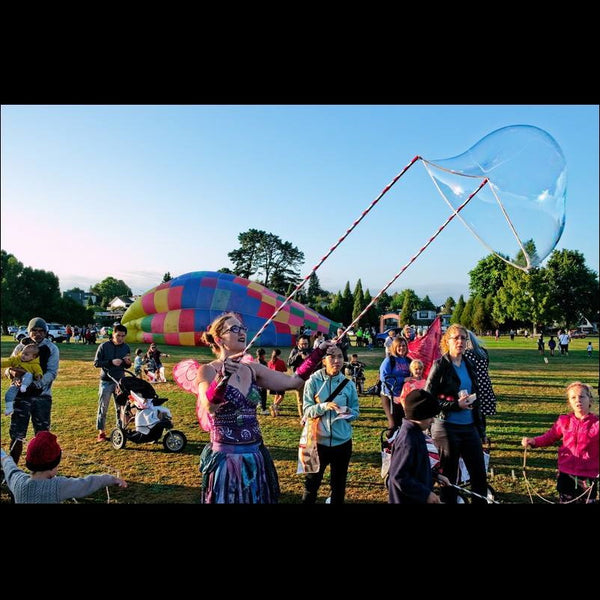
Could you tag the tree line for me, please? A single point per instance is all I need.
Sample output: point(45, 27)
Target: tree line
point(28, 292)
point(501, 296)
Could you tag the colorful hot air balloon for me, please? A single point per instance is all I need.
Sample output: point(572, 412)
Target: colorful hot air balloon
point(178, 311)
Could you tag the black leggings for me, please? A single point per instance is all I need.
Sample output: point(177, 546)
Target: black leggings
point(570, 487)
point(339, 459)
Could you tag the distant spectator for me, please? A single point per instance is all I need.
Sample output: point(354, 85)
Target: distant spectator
point(541, 344)
point(317, 339)
point(260, 357)
point(138, 362)
point(512, 335)
point(551, 345)
point(343, 343)
point(297, 356)
point(156, 355)
point(563, 340)
point(276, 364)
point(590, 349)
point(389, 340)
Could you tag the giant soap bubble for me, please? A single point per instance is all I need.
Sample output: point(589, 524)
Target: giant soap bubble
point(520, 213)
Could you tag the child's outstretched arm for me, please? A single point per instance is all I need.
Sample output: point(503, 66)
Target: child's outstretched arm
point(78, 487)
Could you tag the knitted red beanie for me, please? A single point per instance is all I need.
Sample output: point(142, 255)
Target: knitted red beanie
point(43, 452)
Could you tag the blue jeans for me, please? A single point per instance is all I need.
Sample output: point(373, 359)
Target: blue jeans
point(13, 390)
point(454, 441)
point(105, 390)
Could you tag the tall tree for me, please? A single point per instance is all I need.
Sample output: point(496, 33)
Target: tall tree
point(524, 297)
point(488, 306)
point(335, 309)
point(426, 304)
point(408, 307)
point(246, 259)
point(487, 276)
point(448, 305)
point(262, 255)
point(573, 287)
point(479, 321)
point(166, 277)
point(397, 301)
point(314, 289)
point(359, 300)
point(458, 309)
point(371, 317)
point(11, 306)
point(109, 288)
point(347, 305)
point(466, 317)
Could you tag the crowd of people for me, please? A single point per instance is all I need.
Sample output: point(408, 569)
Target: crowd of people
point(448, 408)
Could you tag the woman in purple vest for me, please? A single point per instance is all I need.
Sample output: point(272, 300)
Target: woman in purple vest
point(236, 467)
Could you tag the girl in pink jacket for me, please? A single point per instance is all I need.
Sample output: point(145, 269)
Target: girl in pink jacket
point(578, 456)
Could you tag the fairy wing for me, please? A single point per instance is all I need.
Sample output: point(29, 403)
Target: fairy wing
point(185, 374)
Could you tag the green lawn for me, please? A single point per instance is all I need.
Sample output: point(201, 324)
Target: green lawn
point(530, 396)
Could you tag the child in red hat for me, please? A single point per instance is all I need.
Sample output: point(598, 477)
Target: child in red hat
point(43, 486)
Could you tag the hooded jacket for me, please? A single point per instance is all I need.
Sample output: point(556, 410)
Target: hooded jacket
point(330, 431)
point(578, 454)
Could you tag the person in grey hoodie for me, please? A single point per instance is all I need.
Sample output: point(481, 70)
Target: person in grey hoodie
point(334, 430)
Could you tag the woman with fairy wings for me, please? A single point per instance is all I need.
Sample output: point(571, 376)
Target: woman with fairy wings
point(236, 466)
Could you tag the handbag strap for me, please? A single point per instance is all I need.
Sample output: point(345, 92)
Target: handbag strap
point(335, 392)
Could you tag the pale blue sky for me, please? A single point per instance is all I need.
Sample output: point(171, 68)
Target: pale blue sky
point(136, 191)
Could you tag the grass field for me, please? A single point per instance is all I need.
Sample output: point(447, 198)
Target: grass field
point(530, 396)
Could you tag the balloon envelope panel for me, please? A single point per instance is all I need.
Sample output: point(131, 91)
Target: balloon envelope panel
point(178, 311)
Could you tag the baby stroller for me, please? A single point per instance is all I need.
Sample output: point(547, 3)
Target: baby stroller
point(141, 418)
point(356, 372)
point(374, 390)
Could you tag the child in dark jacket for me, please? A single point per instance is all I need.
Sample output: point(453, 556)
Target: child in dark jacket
point(410, 475)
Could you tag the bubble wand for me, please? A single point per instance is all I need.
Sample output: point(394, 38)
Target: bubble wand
point(412, 260)
point(331, 250)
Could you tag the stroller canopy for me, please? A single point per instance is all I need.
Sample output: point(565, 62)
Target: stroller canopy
point(139, 386)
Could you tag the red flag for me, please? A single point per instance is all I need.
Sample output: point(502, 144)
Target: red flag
point(427, 348)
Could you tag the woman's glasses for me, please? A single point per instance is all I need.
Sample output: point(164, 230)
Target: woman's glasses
point(236, 329)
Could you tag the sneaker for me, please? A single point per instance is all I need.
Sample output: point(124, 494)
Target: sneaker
point(101, 437)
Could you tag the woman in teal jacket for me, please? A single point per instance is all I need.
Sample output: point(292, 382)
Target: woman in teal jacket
point(334, 431)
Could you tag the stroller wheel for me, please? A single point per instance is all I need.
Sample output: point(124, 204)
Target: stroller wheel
point(174, 441)
point(118, 438)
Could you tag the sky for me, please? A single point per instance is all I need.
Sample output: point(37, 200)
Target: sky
point(136, 191)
